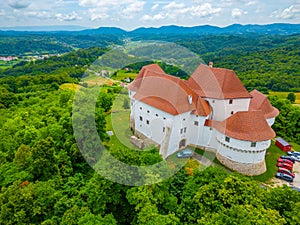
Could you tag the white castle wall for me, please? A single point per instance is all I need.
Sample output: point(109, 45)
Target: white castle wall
point(153, 121)
point(241, 151)
point(222, 109)
point(271, 121)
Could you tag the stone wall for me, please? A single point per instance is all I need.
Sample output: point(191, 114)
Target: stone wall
point(248, 169)
point(147, 142)
point(137, 142)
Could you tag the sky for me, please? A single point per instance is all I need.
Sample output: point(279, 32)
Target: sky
point(130, 14)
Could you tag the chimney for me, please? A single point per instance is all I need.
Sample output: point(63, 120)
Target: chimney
point(190, 99)
point(211, 64)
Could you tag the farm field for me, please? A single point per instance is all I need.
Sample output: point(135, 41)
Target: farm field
point(283, 95)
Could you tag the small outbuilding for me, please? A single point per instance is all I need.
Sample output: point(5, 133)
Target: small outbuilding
point(283, 144)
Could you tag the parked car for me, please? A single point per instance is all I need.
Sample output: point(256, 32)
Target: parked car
point(285, 161)
point(295, 188)
point(285, 165)
point(286, 171)
point(288, 157)
point(284, 176)
point(185, 154)
point(294, 155)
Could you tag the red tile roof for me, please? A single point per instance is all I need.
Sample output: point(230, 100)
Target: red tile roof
point(167, 93)
point(217, 83)
point(260, 102)
point(134, 86)
point(248, 126)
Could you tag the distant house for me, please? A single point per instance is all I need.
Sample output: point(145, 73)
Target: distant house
point(211, 110)
point(283, 145)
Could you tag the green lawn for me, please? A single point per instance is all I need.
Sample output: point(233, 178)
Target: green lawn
point(10, 64)
point(273, 153)
point(295, 146)
point(122, 74)
point(212, 157)
point(119, 123)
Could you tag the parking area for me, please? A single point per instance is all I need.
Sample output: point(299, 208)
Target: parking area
point(296, 182)
point(296, 169)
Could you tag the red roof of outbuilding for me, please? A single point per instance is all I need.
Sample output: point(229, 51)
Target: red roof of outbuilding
point(260, 102)
point(217, 83)
point(248, 126)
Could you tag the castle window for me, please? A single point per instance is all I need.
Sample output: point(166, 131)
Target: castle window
point(141, 118)
point(253, 144)
point(230, 101)
point(141, 108)
point(227, 139)
point(183, 119)
point(196, 123)
point(213, 101)
point(184, 130)
point(164, 118)
point(148, 111)
point(181, 131)
point(148, 122)
point(156, 115)
point(164, 129)
point(232, 112)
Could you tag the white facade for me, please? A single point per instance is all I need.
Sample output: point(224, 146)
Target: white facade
point(271, 121)
point(175, 132)
point(242, 151)
point(189, 129)
point(224, 108)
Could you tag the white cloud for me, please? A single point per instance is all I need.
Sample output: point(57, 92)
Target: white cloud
point(156, 17)
point(251, 3)
point(159, 16)
point(68, 17)
point(2, 12)
point(154, 7)
point(105, 3)
point(39, 14)
point(18, 4)
point(134, 8)
point(288, 13)
point(174, 5)
point(98, 14)
point(237, 13)
point(113, 9)
point(204, 10)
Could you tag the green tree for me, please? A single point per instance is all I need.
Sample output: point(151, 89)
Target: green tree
point(291, 97)
point(43, 164)
point(22, 157)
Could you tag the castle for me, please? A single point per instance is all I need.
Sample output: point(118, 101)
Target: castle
point(211, 110)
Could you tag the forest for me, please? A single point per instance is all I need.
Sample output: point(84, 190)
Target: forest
point(44, 178)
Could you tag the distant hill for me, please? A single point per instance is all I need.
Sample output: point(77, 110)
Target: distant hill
point(104, 30)
point(44, 28)
point(276, 28)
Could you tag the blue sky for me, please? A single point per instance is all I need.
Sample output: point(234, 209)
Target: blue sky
point(130, 14)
